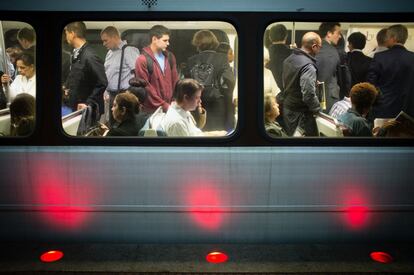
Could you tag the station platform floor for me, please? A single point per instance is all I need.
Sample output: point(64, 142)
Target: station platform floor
point(24, 258)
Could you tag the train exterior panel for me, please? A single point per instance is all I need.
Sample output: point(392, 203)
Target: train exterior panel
point(245, 188)
point(192, 195)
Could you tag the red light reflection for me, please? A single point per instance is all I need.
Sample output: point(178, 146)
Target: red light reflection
point(381, 257)
point(59, 209)
point(62, 203)
point(205, 206)
point(216, 257)
point(51, 256)
point(357, 214)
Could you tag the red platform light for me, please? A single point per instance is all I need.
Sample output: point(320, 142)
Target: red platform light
point(216, 257)
point(51, 256)
point(381, 257)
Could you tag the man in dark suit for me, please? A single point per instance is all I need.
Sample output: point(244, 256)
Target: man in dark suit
point(328, 61)
point(278, 52)
point(392, 72)
point(358, 62)
point(87, 80)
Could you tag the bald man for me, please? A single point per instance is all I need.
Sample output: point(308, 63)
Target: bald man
point(299, 80)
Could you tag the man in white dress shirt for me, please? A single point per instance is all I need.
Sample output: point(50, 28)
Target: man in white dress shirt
point(118, 51)
point(178, 121)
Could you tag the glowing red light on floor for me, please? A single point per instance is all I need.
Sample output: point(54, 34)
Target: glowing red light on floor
point(216, 257)
point(381, 257)
point(51, 256)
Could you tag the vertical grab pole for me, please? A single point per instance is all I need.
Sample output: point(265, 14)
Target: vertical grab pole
point(4, 57)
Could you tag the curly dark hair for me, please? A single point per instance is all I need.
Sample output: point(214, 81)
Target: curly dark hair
point(363, 96)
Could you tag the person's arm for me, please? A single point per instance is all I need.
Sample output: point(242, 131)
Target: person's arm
point(131, 55)
point(228, 77)
point(174, 72)
point(229, 81)
point(98, 70)
point(308, 88)
point(13, 87)
point(374, 72)
point(177, 129)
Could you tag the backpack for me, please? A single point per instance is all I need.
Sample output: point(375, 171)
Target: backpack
point(150, 62)
point(205, 74)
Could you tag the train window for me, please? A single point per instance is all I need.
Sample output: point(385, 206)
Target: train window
point(177, 79)
point(336, 79)
point(18, 78)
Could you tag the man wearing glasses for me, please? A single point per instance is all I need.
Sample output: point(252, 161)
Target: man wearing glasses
point(299, 79)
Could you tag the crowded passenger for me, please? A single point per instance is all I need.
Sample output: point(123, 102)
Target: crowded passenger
point(269, 84)
point(344, 74)
point(381, 42)
point(299, 77)
point(225, 48)
point(27, 39)
point(328, 61)
point(178, 121)
point(340, 107)
point(137, 88)
point(13, 53)
point(3, 97)
point(278, 52)
point(392, 71)
point(86, 81)
point(271, 112)
point(358, 62)
point(22, 115)
point(213, 71)
point(157, 66)
point(124, 110)
point(119, 64)
point(25, 81)
point(362, 97)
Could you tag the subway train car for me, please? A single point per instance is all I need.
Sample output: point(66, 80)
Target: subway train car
point(241, 187)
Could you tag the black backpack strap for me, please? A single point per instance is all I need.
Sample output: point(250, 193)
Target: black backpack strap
point(150, 63)
point(169, 57)
point(120, 67)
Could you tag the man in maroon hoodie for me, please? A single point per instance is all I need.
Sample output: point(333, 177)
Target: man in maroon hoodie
point(158, 67)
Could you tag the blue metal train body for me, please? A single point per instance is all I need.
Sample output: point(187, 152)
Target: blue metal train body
point(241, 189)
